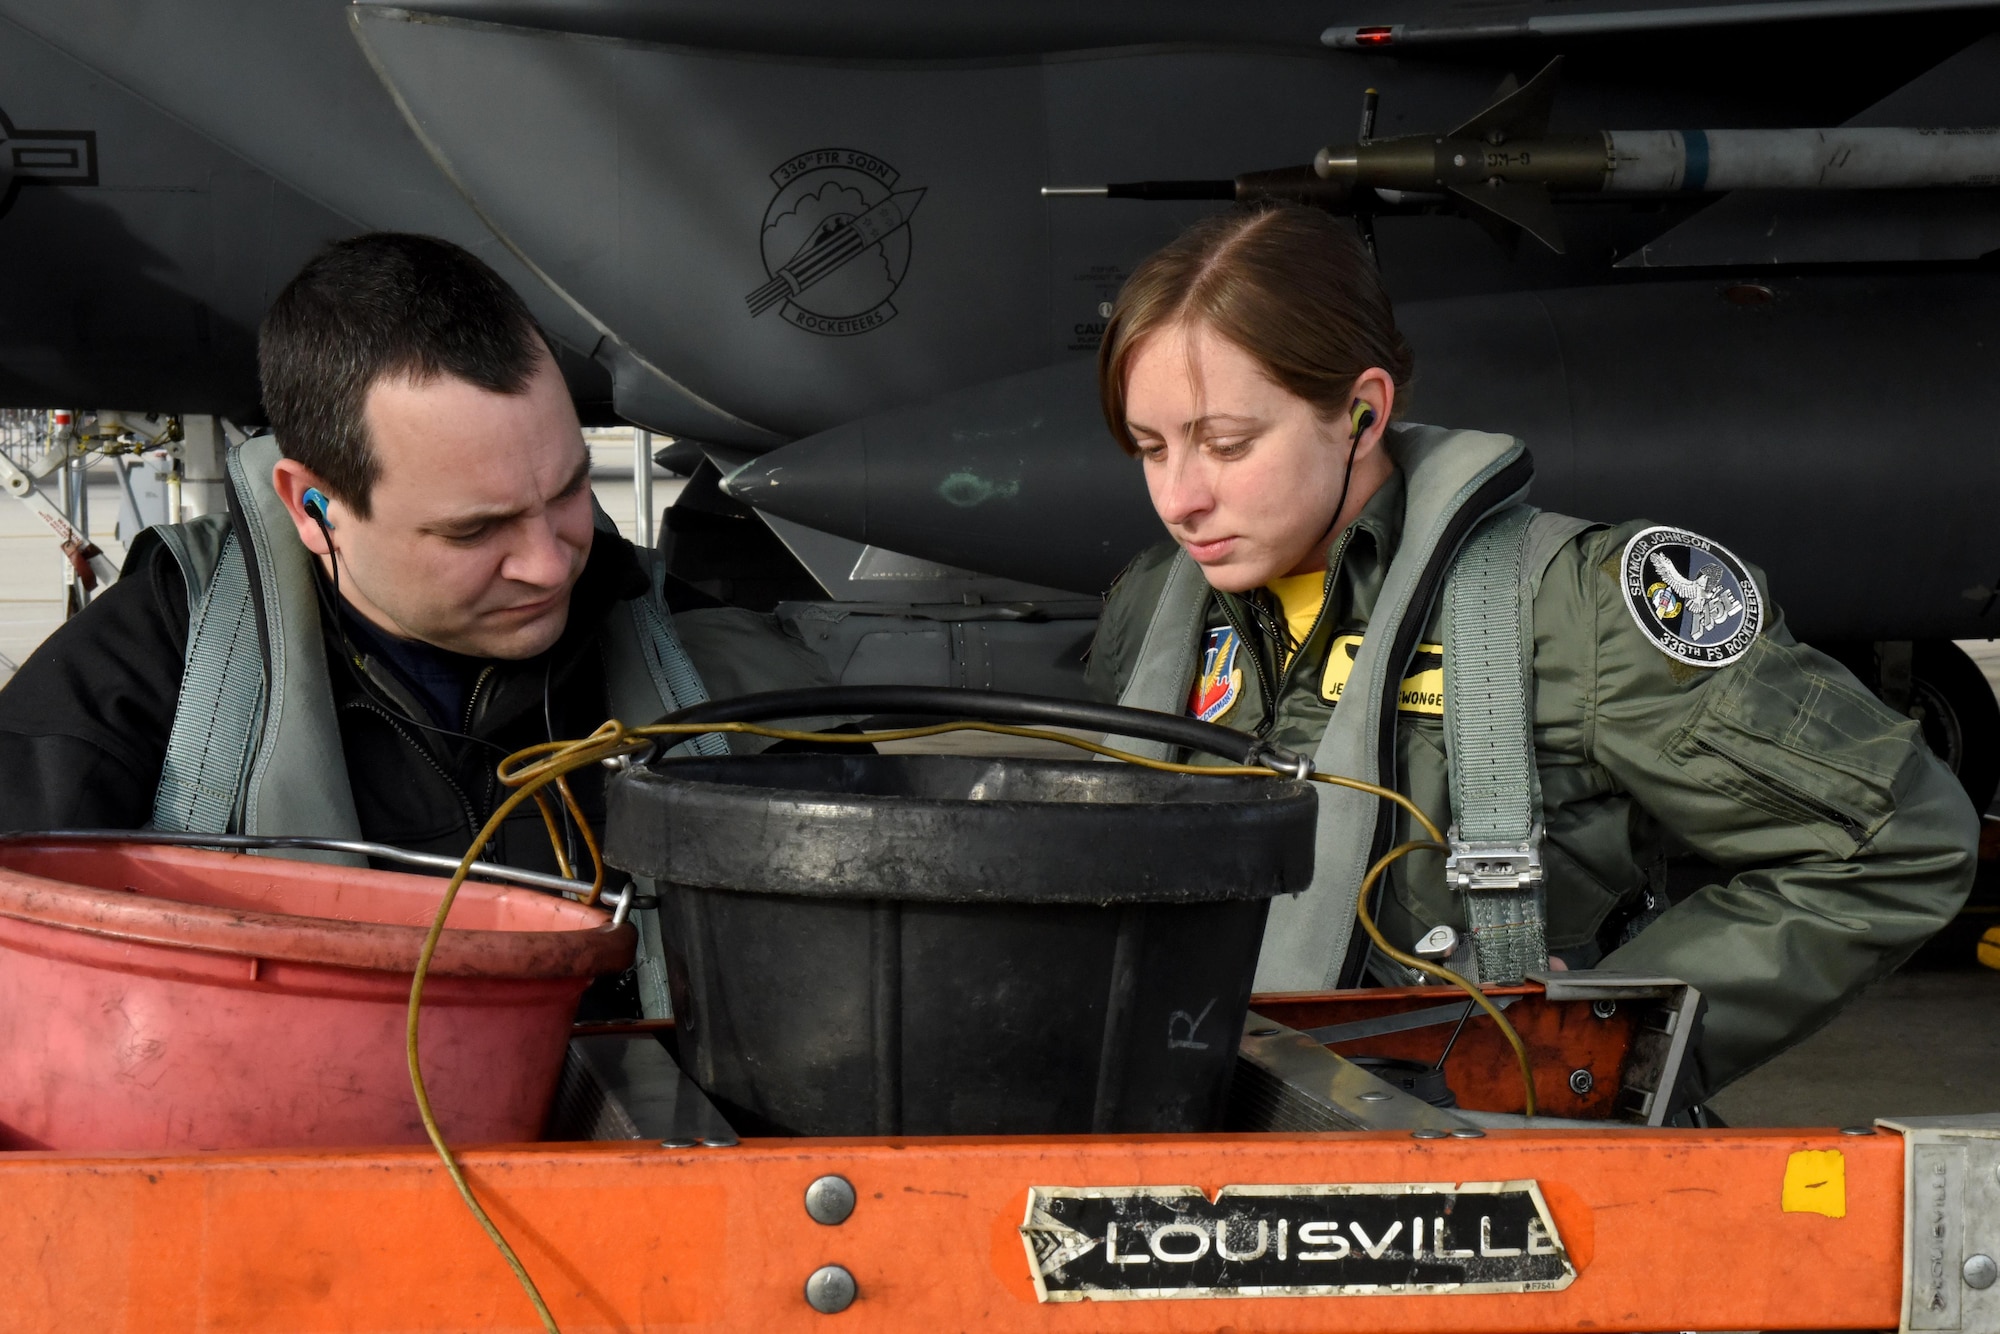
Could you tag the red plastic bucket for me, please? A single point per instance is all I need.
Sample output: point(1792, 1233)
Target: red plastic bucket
point(174, 998)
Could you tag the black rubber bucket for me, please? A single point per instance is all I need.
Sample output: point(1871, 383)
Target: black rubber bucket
point(940, 945)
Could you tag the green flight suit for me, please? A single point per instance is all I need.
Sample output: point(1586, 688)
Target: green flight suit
point(1839, 844)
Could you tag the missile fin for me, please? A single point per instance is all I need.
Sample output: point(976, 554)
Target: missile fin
point(1523, 205)
point(1518, 113)
point(1504, 233)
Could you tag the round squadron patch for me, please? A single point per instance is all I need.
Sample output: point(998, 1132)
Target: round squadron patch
point(1691, 596)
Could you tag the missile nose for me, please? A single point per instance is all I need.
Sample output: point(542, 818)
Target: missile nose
point(750, 476)
point(820, 481)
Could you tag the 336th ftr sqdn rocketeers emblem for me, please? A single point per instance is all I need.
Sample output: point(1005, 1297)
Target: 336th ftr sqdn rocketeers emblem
point(836, 242)
point(1691, 596)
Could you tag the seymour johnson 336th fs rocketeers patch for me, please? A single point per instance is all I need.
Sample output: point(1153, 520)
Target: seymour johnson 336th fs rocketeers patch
point(1691, 596)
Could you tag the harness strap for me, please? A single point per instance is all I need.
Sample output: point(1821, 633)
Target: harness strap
point(222, 696)
point(1496, 795)
point(1495, 858)
point(1166, 664)
point(674, 679)
point(672, 670)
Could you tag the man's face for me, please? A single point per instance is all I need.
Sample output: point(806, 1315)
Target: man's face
point(480, 521)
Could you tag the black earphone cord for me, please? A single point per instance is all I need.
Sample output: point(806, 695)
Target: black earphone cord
point(1367, 419)
point(335, 611)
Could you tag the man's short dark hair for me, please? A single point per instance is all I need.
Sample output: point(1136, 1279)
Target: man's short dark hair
point(376, 305)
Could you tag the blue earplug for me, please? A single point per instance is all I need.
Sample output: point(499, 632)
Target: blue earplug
point(314, 503)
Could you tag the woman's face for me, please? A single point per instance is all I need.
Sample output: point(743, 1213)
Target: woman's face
point(1244, 474)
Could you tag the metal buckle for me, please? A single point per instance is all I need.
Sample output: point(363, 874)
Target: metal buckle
point(1493, 866)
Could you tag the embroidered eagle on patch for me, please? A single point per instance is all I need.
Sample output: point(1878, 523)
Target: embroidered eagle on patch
point(1691, 597)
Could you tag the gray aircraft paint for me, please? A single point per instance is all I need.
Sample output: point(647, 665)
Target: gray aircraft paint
point(692, 144)
point(1756, 415)
point(285, 88)
point(135, 278)
point(915, 28)
point(997, 281)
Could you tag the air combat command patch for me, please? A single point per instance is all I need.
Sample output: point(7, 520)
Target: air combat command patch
point(1221, 680)
point(1691, 596)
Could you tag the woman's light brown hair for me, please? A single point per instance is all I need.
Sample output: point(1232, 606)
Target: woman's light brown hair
point(1290, 286)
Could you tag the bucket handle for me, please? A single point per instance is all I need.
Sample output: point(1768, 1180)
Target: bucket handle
point(1000, 706)
point(576, 889)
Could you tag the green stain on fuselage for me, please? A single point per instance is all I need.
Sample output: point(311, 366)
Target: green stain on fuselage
point(966, 490)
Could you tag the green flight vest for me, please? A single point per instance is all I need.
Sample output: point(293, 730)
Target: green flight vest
point(255, 747)
point(1465, 535)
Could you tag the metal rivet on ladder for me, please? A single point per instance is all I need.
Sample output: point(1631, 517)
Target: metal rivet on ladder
point(831, 1290)
point(830, 1200)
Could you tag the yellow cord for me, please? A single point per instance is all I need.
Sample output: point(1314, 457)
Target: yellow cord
point(1479, 997)
point(533, 768)
point(451, 1167)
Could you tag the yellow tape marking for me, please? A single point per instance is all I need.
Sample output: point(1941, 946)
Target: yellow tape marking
point(1988, 951)
point(1816, 1183)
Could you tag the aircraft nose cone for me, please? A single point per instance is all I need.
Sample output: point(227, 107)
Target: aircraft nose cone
point(821, 481)
point(1013, 477)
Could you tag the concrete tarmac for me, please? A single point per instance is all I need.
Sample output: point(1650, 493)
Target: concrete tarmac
point(1922, 1042)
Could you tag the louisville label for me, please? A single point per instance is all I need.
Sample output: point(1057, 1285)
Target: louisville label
point(1122, 1243)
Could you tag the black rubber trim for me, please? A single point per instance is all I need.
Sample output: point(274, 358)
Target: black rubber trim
point(999, 707)
point(959, 829)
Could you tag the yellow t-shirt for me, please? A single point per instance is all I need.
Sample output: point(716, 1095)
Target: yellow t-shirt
point(1301, 596)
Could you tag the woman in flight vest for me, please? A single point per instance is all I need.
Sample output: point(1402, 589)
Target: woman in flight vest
point(1326, 553)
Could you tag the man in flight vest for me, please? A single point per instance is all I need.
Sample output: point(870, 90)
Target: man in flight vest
point(411, 582)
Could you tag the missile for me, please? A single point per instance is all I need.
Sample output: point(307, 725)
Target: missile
point(1750, 411)
point(1455, 29)
point(1504, 167)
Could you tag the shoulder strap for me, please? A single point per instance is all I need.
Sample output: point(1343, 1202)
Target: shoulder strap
point(647, 671)
point(1164, 670)
point(1453, 480)
point(222, 695)
point(1496, 797)
point(195, 545)
point(297, 780)
point(1547, 534)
